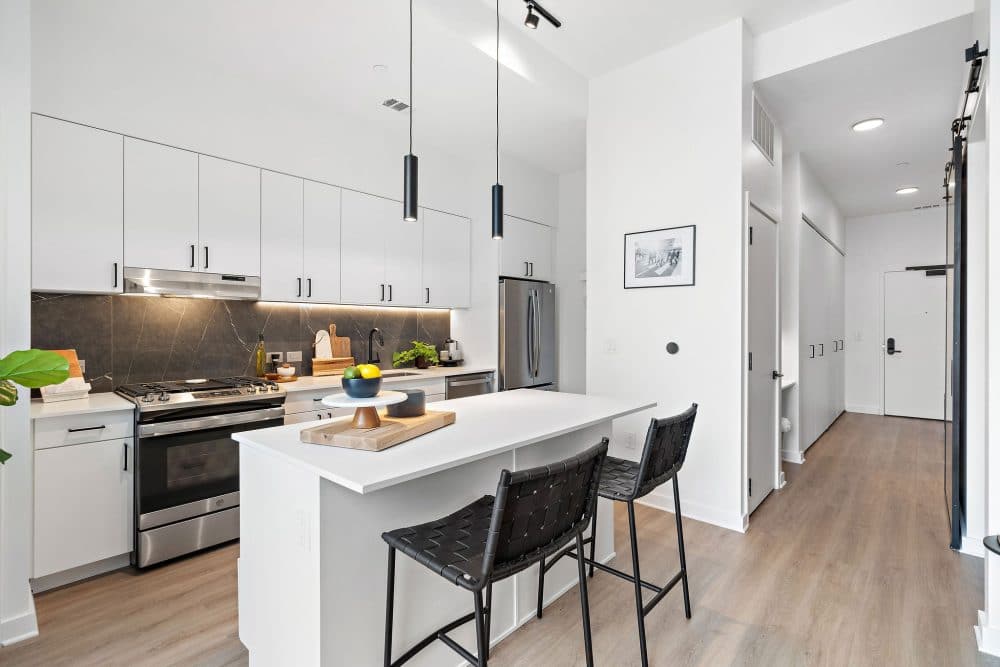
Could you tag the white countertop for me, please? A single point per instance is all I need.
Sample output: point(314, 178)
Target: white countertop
point(100, 402)
point(310, 383)
point(484, 425)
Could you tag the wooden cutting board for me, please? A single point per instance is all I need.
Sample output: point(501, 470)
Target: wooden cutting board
point(393, 431)
point(341, 344)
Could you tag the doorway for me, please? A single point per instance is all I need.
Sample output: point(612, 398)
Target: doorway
point(914, 325)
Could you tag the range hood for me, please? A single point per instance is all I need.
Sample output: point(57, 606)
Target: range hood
point(191, 284)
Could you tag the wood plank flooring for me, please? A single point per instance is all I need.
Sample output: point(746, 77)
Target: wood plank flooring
point(847, 565)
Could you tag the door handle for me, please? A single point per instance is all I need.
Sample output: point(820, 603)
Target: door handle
point(125, 447)
point(192, 255)
point(299, 291)
point(890, 346)
point(116, 275)
point(775, 375)
point(812, 351)
point(206, 257)
point(309, 289)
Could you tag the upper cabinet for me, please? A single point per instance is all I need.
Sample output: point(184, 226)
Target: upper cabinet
point(446, 269)
point(76, 208)
point(161, 207)
point(228, 217)
point(321, 255)
point(526, 250)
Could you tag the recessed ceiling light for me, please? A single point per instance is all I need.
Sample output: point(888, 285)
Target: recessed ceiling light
point(868, 124)
point(908, 190)
point(902, 164)
point(378, 68)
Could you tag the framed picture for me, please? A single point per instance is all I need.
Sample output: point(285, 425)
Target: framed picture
point(660, 258)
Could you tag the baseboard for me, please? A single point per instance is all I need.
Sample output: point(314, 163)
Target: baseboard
point(76, 574)
point(987, 638)
point(972, 546)
point(19, 628)
point(697, 511)
point(791, 456)
point(864, 409)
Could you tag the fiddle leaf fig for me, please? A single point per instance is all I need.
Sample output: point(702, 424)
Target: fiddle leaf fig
point(8, 393)
point(34, 368)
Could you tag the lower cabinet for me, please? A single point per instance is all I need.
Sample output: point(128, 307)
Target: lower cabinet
point(83, 504)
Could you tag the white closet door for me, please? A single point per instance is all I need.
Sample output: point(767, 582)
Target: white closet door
point(446, 269)
point(228, 217)
point(281, 237)
point(161, 206)
point(363, 225)
point(322, 243)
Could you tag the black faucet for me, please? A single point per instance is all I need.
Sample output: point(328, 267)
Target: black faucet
point(374, 334)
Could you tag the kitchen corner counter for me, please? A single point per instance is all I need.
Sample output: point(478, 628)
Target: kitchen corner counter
point(311, 383)
point(94, 403)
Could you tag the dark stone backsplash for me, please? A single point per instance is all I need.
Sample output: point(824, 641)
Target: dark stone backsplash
point(126, 339)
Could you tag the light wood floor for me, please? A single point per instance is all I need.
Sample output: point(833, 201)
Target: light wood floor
point(847, 565)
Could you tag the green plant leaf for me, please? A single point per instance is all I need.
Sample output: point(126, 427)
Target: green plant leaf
point(4, 456)
point(34, 368)
point(8, 393)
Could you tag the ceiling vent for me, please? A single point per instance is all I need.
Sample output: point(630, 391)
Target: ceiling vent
point(395, 105)
point(763, 130)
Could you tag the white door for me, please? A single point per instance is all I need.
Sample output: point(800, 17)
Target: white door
point(83, 508)
point(281, 237)
point(321, 255)
point(228, 217)
point(763, 362)
point(363, 224)
point(161, 206)
point(446, 259)
point(914, 346)
point(76, 208)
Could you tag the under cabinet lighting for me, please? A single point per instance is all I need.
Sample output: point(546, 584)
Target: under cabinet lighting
point(868, 124)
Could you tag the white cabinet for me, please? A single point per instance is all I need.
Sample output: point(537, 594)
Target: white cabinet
point(228, 217)
point(161, 207)
point(321, 252)
point(526, 250)
point(281, 234)
point(446, 259)
point(83, 504)
point(381, 254)
point(76, 208)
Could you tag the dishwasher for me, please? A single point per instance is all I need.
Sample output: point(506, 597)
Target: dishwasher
point(473, 384)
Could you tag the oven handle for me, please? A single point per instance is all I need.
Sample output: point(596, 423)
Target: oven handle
point(213, 421)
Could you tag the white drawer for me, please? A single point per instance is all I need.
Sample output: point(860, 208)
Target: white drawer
point(78, 429)
point(307, 401)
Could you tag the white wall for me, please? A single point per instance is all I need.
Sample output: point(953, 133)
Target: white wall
point(819, 206)
point(646, 169)
point(17, 612)
point(570, 277)
point(876, 244)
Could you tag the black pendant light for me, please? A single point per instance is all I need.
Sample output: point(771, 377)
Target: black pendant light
point(497, 188)
point(410, 160)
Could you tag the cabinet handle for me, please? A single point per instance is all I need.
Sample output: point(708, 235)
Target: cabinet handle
point(125, 448)
point(329, 415)
point(821, 349)
point(116, 275)
point(526, 269)
point(812, 351)
point(299, 292)
point(86, 428)
point(309, 289)
point(192, 255)
point(428, 298)
point(206, 257)
point(390, 292)
point(532, 265)
point(317, 400)
point(382, 298)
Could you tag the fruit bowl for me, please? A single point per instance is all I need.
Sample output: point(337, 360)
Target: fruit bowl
point(361, 387)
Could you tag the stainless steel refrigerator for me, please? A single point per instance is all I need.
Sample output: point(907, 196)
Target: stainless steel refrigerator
point(527, 334)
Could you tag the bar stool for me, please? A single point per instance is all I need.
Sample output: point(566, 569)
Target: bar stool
point(627, 481)
point(535, 513)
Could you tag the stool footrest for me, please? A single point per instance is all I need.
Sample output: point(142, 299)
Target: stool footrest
point(660, 591)
point(440, 634)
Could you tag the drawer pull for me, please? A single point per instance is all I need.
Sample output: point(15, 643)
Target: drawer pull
point(86, 428)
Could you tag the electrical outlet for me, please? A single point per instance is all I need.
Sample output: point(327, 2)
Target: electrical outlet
point(629, 440)
point(276, 357)
point(293, 355)
point(83, 366)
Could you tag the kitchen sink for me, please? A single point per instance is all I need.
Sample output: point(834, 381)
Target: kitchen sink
point(398, 374)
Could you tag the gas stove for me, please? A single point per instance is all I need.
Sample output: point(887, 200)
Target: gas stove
point(152, 396)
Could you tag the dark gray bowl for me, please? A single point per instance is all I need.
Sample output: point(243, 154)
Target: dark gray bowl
point(361, 387)
point(413, 406)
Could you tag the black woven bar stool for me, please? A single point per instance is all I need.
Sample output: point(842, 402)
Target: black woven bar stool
point(627, 481)
point(535, 513)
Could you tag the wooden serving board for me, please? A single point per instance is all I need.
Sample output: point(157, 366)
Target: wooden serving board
point(341, 344)
point(393, 431)
point(335, 366)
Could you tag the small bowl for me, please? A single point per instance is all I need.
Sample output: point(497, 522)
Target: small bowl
point(286, 371)
point(413, 406)
point(361, 387)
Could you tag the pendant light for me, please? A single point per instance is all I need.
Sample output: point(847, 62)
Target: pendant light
point(497, 188)
point(410, 160)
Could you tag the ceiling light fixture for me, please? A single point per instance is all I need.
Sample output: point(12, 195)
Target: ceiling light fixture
point(497, 188)
point(868, 124)
point(531, 20)
point(410, 206)
point(908, 190)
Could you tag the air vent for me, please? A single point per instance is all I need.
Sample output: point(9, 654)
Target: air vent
point(395, 105)
point(763, 130)
point(920, 208)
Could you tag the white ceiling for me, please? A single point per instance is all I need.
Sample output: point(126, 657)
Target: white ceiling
point(913, 81)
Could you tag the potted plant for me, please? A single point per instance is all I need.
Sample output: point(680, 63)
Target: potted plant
point(420, 354)
point(32, 369)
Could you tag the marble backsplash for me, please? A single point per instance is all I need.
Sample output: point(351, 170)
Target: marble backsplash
point(126, 339)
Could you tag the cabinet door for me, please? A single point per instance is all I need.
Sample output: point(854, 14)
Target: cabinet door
point(515, 249)
point(83, 504)
point(404, 243)
point(281, 277)
point(364, 223)
point(446, 267)
point(76, 208)
point(161, 206)
point(228, 217)
point(321, 254)
point(540, 251)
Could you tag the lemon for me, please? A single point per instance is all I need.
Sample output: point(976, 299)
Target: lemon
point(352, 373)
point(370, 371)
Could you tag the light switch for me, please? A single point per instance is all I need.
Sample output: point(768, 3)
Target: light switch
point(610, 345)
point(293, 355)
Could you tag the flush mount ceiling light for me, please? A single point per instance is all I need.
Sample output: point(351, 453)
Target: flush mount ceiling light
point(531, 20)
point(908, 190)
point(410, 160)
point(868, 124)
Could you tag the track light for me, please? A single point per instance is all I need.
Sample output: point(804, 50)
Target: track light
point(531, 20)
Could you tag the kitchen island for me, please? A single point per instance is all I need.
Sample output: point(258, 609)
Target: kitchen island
point(312, 567)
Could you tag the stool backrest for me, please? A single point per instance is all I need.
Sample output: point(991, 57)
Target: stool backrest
point(539, 510)
point(666, 446)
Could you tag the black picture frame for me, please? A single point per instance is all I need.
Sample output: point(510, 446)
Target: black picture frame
point(682, 280)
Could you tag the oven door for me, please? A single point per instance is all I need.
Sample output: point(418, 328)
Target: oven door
point(190, 467)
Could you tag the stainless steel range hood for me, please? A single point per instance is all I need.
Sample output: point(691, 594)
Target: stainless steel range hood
point(191, 283)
